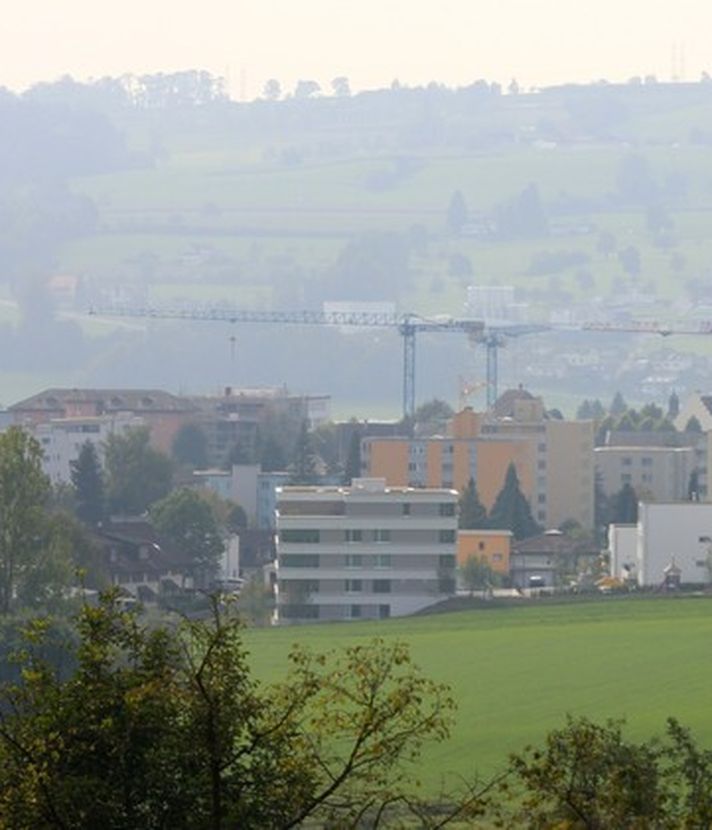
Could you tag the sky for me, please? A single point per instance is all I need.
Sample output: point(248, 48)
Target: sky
point(372, 42)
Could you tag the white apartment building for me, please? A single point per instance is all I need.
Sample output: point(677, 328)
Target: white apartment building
point(673, 534)
point(61, 440)
point(363, 552)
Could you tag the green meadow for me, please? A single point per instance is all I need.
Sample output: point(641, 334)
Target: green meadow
point(516, 672)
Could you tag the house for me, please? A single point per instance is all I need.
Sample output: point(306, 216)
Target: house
point(367, 551)
point(677, 534)
point(542, 561)
point(141, 563)
point(490, 546)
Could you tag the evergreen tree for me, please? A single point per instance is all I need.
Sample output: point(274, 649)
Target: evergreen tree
point(88, 482)
point(624, 506)
point(585, 411)
point(693, 487)
point(511, 510)
point(472, 514)
point(190, 447)
point(303, 467)
point(353, 459)
point(456, 213)
point(618, 405)
point(693, 425)
point(673, 406)
point(598, 411)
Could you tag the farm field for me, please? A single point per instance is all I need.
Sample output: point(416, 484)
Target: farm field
point(516, 672)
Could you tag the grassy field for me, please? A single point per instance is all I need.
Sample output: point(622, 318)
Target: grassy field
point(516, 672)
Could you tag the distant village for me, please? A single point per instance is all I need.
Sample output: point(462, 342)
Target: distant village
point(365, 519)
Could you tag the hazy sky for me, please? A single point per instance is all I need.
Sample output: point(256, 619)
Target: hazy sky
point(370, 41)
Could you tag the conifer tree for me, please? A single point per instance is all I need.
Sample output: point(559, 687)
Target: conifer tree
point(472, 514)
point(303, 467)
point(88, 483)
point(353, 459)
point(511, 510)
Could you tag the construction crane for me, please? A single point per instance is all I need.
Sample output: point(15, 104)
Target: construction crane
point(407, 325)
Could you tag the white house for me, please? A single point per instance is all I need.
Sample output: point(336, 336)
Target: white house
point(677, 533)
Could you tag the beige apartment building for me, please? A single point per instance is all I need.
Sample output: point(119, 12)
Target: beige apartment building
point(657, 474)
point(553, 458)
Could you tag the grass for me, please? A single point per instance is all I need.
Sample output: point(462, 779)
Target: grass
point(516, 672)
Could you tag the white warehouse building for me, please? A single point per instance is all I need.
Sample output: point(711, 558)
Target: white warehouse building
point(363, 552)
point(675, 535)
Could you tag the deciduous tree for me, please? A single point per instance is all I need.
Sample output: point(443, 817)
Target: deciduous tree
point(137, 475)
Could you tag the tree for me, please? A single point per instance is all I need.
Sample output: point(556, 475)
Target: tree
point(23, 491)
point(589, 776)
point(88, 482)
point(584, 411)
point(163, 727)
point(629, 259)
point(693, 486)
point(457, 213)
point(190, 447)
point(472, 514)
point(303, 467)
point(624, 506)
point(341, 87)
point(188, 521)
point(511, 510)
point(476, 574)
point(137, 475)
point(306, 89)
point(673, 409)
point(432, 416)
point(693, 425)
point(618, 405)
point(352, 469)
point(272, 90)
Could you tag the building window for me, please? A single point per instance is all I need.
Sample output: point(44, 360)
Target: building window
point(382, 560)
point(627, 462)
point(541, 516)
point(406, 506)
point(447, 509)
point(646, 462)
point(626, 478)
point(445, 537)
point(497, 557)
point(541, 498)
point(299, 537)
point(353, 535)
point(299, 560)
point(480, 546)
point(353, 586)
point(355, 612)
point(541, 465)
point(384, 612)
point(446, 560)
point(381, 586)
point(381, 535)
point(354, 560)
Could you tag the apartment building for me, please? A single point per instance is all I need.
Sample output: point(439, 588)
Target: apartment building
point(655, 473)
point(553, 458)
point(62, 439)
point(368, 551)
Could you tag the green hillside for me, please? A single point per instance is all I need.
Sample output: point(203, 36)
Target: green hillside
point(516, 672)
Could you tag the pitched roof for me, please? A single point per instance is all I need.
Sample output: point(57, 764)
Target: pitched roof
point(136, 546)
point(105, 400)
point(552, 542)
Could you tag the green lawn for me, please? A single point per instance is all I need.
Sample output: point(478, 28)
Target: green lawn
point(516, 672)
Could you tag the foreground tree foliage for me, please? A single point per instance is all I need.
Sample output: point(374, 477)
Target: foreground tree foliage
point(588, 776)
point(165, 728)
